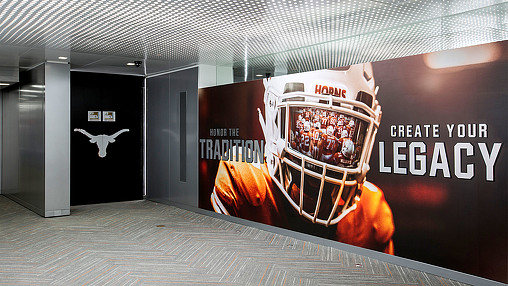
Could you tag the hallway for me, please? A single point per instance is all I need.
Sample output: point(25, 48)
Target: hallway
point(147, 243)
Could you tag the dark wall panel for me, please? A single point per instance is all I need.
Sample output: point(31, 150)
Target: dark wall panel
point(117, 176)
point(183, 108)
point(172, 128)
point(157, 138)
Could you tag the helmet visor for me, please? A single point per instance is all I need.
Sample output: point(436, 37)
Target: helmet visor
point(326, 135)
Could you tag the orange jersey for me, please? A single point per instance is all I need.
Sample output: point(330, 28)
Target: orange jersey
point(324, 121)
point(247, 191)
point(316, 135)
point(305, 138)
point(338, 131)
point(333, 121)
point(330, 144)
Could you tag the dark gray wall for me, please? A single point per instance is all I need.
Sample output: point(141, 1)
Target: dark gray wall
point(157, 138)
point(172, 137)
point(184, 187)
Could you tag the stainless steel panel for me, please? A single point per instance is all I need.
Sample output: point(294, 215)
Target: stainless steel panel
point(157, 138)
point(10, 152)
point(1, 144)
point(26, 157)
point(57, 129)
point(31, 139)
point(9, 73)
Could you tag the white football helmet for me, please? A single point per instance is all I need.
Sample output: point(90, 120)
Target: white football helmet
point(322, 192)
point(347, 148)
point(306, 126)
point(330, 130)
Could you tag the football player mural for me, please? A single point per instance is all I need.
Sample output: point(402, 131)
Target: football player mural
point(319, 130)
point(307, 152)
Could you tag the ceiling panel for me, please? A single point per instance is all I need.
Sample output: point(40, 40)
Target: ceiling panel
point(297, 34)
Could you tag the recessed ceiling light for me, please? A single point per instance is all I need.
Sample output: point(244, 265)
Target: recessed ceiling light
point(62, 58)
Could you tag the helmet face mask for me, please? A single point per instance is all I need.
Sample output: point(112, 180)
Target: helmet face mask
point(320, 173)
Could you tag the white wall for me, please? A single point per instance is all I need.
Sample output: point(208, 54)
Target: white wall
point(209, 75)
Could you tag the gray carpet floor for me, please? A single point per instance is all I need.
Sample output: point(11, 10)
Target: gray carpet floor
point(147, 243)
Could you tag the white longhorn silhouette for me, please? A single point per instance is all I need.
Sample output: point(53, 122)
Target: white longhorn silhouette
point(102, 140)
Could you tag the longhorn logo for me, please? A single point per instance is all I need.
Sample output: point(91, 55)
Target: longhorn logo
point(102, 140)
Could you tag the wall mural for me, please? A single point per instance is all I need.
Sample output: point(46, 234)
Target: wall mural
point(404, 156)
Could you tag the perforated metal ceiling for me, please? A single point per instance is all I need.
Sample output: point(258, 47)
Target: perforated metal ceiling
point(297, 34)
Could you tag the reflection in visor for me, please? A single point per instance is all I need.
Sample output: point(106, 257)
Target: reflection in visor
point(327, 136)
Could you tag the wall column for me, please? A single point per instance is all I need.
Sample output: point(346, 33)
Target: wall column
point(57, 143)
